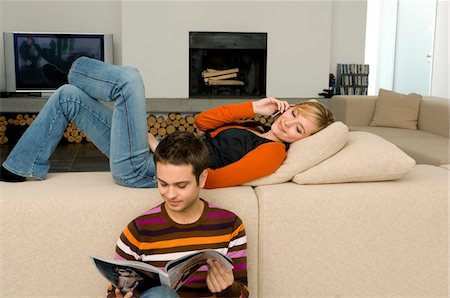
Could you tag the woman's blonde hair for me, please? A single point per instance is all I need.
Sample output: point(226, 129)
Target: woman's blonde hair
point(317, 112)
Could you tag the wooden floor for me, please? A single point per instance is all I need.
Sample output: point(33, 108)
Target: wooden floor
point(71, 157)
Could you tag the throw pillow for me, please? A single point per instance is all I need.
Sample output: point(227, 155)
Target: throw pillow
point(393, 109)
point(307, 152)
point(365, 157)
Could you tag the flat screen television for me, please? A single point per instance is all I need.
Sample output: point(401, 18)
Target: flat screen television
point(27, 52)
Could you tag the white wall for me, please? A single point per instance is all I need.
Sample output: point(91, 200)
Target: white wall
point(348, 32)
point(440, 81)
point(298, 41)
point(305, 38)
point(2, 61)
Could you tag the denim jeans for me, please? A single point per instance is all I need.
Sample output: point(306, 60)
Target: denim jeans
point(119, 132)
point(160, 292)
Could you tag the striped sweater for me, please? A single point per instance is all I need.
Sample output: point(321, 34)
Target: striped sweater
point(154, 238)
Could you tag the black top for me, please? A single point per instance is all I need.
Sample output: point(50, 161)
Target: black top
point(230, 145)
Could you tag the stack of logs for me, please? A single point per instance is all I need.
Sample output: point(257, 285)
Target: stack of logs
point(73, 134)
point(3, 137)
point(159, 126)
point(19, 120)
point(213, 77)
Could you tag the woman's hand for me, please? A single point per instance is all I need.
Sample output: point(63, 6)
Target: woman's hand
point(152, 142)
point(269, 105)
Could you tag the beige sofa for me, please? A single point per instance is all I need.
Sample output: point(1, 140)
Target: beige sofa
point(348, 239)
point(429, 144)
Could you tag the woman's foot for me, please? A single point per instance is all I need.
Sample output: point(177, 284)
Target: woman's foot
point(7, 176)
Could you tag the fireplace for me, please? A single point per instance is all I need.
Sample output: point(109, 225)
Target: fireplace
point(242, 57)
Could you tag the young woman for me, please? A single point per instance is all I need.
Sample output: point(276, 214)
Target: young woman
point(239, 153)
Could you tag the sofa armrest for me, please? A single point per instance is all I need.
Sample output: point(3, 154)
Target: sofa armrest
point(353, 110)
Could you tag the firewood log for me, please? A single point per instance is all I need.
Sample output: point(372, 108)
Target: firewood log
point(207, 74)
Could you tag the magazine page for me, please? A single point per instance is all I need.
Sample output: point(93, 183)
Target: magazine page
point(130, 275)
point(181, 269)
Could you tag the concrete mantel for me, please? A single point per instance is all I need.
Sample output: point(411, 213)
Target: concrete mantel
point(154, 105)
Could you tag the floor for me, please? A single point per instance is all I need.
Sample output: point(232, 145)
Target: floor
point(71, 157)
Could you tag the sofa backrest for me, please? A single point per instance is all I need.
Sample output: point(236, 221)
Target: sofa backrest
point(434, 115)
point(353, 110)
point(51, 227)
point(434, 112)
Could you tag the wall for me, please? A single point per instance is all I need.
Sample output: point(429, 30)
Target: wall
point(348, 32)
point(440, 80)
point(305, 38)
point(2, 60)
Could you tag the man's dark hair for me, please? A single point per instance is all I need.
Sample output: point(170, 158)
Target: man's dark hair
point(183, 148)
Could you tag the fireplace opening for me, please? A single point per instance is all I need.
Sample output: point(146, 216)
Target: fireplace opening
point(227, 64)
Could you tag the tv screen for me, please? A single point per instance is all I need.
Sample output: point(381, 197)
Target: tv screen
point(31, 51)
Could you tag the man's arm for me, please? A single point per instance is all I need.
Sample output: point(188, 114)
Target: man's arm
point(125, 250)
point(232, 283)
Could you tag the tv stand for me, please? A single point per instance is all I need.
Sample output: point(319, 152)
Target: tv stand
point(46, 95)
point(5, 94)
point(22, 104)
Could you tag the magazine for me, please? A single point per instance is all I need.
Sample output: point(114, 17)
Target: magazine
point(139, 276)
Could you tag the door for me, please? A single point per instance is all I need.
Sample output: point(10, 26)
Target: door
point(414, 46)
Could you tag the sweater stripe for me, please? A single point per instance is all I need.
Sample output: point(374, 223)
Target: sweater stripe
point(171, 256)
point(150, 221)
point(183, 242)
point(127, 250)
point(155, 210)
point(239, 241)
point(238, 254)
point(225, 214)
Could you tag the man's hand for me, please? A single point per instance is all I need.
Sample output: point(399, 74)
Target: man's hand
point(218, 279)
point(120, 295)
point(270, 105)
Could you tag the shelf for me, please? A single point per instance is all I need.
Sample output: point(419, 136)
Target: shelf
point(352, 79)
point(154, 105)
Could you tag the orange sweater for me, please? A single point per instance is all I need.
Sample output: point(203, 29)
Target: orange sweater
point(260, 162)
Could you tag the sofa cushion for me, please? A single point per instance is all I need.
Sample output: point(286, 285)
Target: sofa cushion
point(365, 157)
point(393, 109)
point(424, 147)
point(307, 153)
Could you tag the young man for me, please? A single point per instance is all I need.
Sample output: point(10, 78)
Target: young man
point(185, 223)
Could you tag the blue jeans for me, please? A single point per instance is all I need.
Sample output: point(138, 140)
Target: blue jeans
point(160, 292)
point(119, 132)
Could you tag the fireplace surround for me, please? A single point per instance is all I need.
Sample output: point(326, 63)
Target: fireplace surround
point(227, 50)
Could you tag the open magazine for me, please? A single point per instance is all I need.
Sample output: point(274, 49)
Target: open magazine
point(139, 276)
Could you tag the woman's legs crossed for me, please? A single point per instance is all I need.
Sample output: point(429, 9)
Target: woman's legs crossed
point(121, 133)
point(131, 160)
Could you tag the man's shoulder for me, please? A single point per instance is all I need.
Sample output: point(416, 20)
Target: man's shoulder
point(216, 211)
point(152, 216)
point(154, 210)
